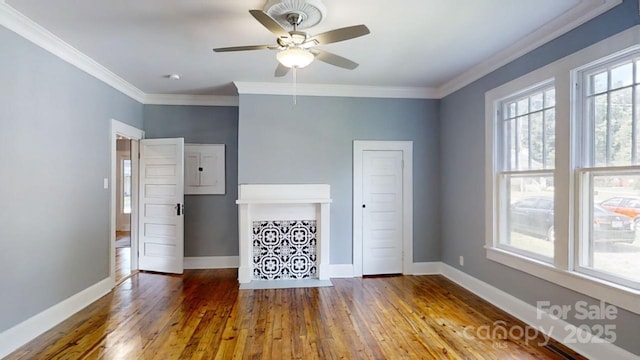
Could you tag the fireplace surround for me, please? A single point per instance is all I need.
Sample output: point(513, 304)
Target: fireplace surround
point(283, 232)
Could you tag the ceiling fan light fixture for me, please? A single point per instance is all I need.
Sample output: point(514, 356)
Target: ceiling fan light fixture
point(295, 57)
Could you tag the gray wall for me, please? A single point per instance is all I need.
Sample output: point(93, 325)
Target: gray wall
point(462, 172)
point(211, 221)
point(54, 155)
point(312, 142)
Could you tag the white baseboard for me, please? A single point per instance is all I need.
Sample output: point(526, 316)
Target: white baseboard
point(13, 338)
point(592, 348)
point(427, 268)
point(211, 262)
point(341, 270)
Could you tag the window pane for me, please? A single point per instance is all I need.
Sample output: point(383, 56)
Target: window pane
point(598, 105)
point(550, 98)
point(511, 110)
point(537, 141)
point(523, 106)
point(620, 126)
point(599, 82)
point(530, 214)
point(637, 131)
point(622, 76)
point(537, 102)
point(611, 245)
point(523, 142)
point(126, 186)
point(510, 146)
point(550, 138)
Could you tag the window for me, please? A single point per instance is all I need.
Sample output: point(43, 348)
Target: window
point(126, 186)
point(563, 171)
point(525, 126)
point(609, 169)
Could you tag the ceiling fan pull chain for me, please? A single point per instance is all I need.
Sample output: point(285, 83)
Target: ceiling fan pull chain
point(295, 86)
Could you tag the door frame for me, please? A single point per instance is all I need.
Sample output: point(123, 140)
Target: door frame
point(121, 129)
point(359, 146)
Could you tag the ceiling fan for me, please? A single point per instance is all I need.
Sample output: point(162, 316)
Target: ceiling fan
point(296, 49)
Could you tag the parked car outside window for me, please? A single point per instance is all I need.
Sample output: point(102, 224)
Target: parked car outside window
point(628, 206)
point(534, 216)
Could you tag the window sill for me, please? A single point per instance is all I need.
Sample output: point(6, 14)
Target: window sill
point(618, 295)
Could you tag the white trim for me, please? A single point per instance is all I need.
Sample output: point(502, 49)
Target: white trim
point(585, 11)
point(341, 270)
point(193, 100)
point(121, 129)
point(594, 348)
point(407, 200)
point(13, 338)
point(211, 262)
point(30, 30)
point(427, 268)
point(330, 90)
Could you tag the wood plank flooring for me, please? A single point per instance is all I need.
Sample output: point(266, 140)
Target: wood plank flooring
point(123, 257)
point(203, 315)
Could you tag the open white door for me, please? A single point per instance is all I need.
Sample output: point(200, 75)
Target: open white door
point(161, 221)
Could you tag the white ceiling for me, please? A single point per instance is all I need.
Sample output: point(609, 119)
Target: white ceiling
point(413, 43)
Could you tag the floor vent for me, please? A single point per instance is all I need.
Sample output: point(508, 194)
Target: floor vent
point(559, 351)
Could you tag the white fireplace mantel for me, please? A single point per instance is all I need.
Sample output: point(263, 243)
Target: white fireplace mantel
point(264, 202)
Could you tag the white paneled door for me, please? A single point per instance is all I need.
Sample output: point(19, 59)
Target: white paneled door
point(161, 229)
point(382, 240)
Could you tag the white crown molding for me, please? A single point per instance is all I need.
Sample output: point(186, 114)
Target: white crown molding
point(265, 88)
point(198, 100)
point(27, 28)
point(578, 15)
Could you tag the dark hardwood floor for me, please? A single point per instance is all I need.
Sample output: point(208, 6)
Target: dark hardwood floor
point(203, 315)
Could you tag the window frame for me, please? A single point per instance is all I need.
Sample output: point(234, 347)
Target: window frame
point(562, 271)
point(505, 171)
point(584, 151)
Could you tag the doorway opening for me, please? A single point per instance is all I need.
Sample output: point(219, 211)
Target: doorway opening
point(123, 249)
point(123, 187)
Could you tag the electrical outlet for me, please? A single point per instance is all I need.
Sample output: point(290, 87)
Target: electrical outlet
point(461, 260)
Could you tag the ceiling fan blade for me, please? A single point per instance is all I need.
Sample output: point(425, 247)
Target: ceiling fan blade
point(281, 70)
point(334, 59)
point(268, 22)
point(243, 48)
point(341, 34)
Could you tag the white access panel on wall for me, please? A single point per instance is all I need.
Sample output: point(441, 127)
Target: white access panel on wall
point(204, 169)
